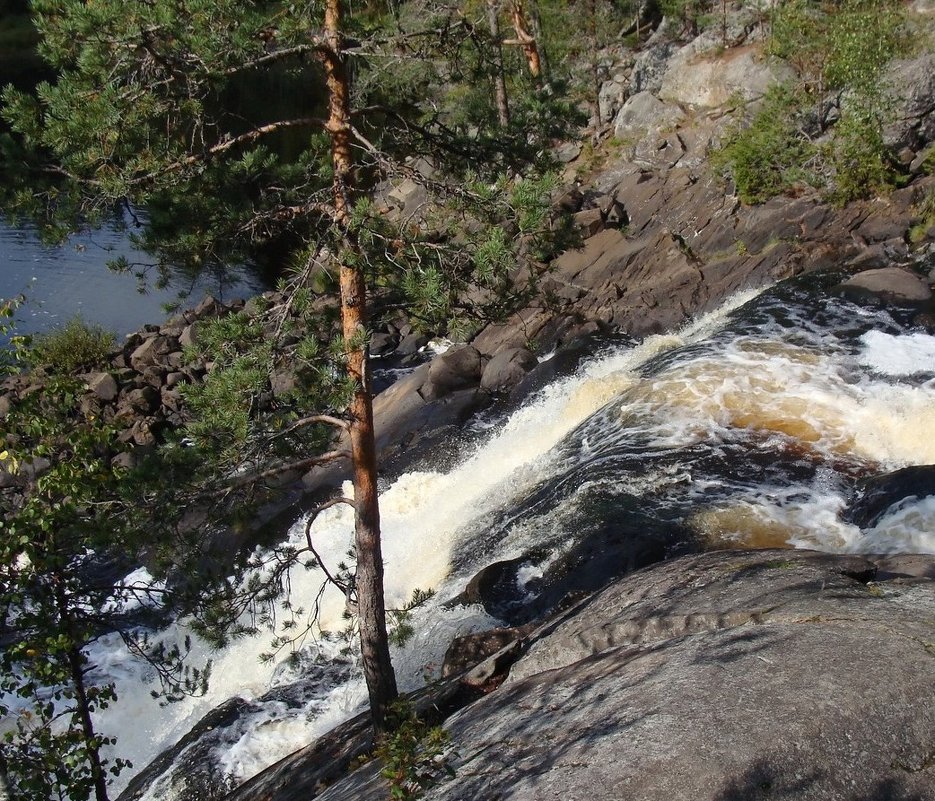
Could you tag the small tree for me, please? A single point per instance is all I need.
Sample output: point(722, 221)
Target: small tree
point(70, 512)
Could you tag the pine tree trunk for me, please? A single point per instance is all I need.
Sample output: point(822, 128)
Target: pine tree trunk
point(378, 669)
point(535, 23)
point(499, 84)
point(76, 670)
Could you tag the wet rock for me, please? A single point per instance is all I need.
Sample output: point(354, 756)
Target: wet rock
point(411, 344)
point(467, 651)
point(457, 368)
point(875, 496)
point(382, 343)
point(505, 370)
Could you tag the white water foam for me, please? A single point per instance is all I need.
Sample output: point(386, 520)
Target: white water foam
point(904, 355)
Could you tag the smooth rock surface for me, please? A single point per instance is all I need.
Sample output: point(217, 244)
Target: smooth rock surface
point(890, 282)
point(730, 676)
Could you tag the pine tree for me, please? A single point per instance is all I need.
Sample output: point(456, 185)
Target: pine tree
point(150, 113)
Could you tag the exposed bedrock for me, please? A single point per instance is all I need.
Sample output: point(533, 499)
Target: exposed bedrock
point(719, 677)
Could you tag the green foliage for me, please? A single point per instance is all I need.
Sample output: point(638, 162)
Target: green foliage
point(74, 346)
point(766, 157)
point(859, 159)
point(415, 756)
point(689, 14)
point(838, 48)
point(400, 620)
point(70, 510)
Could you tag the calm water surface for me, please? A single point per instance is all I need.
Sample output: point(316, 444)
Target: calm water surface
point(73, 279)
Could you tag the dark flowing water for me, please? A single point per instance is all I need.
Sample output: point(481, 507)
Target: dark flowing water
point(74, 279)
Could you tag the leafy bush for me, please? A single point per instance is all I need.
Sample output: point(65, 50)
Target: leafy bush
point(843, 49)
point(413, 754)
point(858, 157)
point(76, 345)
point(767, 157)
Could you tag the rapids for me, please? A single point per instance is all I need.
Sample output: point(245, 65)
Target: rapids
point(748, 428)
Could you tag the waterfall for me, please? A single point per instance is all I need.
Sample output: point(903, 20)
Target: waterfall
point(748, 428)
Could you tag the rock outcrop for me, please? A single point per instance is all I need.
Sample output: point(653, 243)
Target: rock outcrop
point(719, 677)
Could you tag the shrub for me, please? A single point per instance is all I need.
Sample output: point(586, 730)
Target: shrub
point(768, 156)
point(75, 346)
point(858, 158)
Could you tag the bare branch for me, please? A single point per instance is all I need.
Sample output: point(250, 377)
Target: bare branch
point(327, 419)
point(313, 516)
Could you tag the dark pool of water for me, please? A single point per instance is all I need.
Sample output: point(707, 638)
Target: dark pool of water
point(74, 279)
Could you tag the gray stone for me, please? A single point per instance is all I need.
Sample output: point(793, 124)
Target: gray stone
point(152, 351)
point(610, 99)
point(103, 386)
point(912, 120)
point(645, 114)
point(891, 283)
point(505, 370)
point(650, 65)
point(710, 82)
point(189, 335)
point(720, 677)
point(457, 368)
point(567, 152)
point(144, 400)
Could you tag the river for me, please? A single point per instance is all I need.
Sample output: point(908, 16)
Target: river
point(748, 428)
point(60, 282)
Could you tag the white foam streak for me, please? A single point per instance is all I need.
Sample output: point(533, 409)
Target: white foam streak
point(421, 515)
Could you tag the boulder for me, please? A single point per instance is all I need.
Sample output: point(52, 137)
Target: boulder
point(103, 386)
point(457, 368)
point(152, 351)
point(144, 400)
point(892, 284)
point(610, 99)
point(505, 370)
point(650, 65)
point(700, 81)
point(912, 121)
point(644, 114)
point(875, 496)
